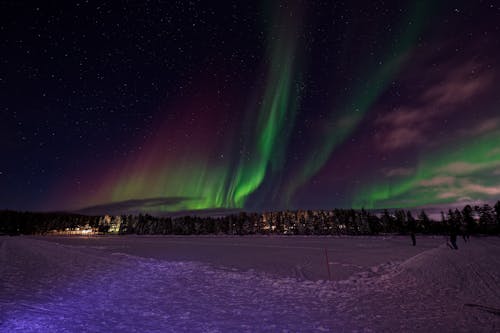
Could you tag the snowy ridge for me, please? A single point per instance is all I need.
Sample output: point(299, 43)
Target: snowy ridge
point(439, 290)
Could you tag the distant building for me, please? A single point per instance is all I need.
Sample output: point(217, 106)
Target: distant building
point(110, 224)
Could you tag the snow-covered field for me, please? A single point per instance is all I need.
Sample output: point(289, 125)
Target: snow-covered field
point(248, 284)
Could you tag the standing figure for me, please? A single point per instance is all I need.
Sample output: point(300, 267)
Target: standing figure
point(411, 227)
point(453, 234)
point(463, 231)
point(469, 221)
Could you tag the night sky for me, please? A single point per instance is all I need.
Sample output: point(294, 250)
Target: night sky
point(164, 106)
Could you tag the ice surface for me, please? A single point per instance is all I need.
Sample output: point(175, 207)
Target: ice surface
point(248, 284)
point(302, 257)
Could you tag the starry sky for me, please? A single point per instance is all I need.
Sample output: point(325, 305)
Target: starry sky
point(168, 106)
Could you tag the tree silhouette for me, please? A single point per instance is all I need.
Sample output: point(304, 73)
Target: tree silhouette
point(319, 222)
point(497, 214)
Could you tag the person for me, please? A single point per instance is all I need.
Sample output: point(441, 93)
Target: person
point(411, 227)
point(470, 225)
point(453, 234)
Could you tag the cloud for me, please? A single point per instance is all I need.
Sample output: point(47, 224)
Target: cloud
point(155, 207)
point(486, 126)
point(460, 168)
point(465, 200)
point(212, 212)
point(438, 181)
point(402, 117)
point(494, 152)
point(468, 189)
point(460, 85)
point(488, 190)
point(434, 210)
point(398, 172)
point(465, 168)
point(410, 125)
point(449, 194)
point(402, 137)
point(133, 206)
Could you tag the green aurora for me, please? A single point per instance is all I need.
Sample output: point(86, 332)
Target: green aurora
point(343, 120)
point(443, 177)
point(275, 121)
point(266, 154)
point(197, 181)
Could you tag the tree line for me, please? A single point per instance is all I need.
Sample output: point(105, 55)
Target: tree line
point(483, 219)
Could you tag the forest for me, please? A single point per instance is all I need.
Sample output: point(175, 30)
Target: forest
point(483, 219)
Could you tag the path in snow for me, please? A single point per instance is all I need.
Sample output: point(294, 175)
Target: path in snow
point(46, 286)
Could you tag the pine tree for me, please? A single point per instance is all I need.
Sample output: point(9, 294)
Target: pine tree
point(497, 212)
point(470, 223)
point(424, 221)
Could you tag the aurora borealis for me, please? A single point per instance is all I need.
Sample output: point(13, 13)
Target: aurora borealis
point(191, 106)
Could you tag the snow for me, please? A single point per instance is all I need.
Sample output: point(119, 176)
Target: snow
point(248, 284)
